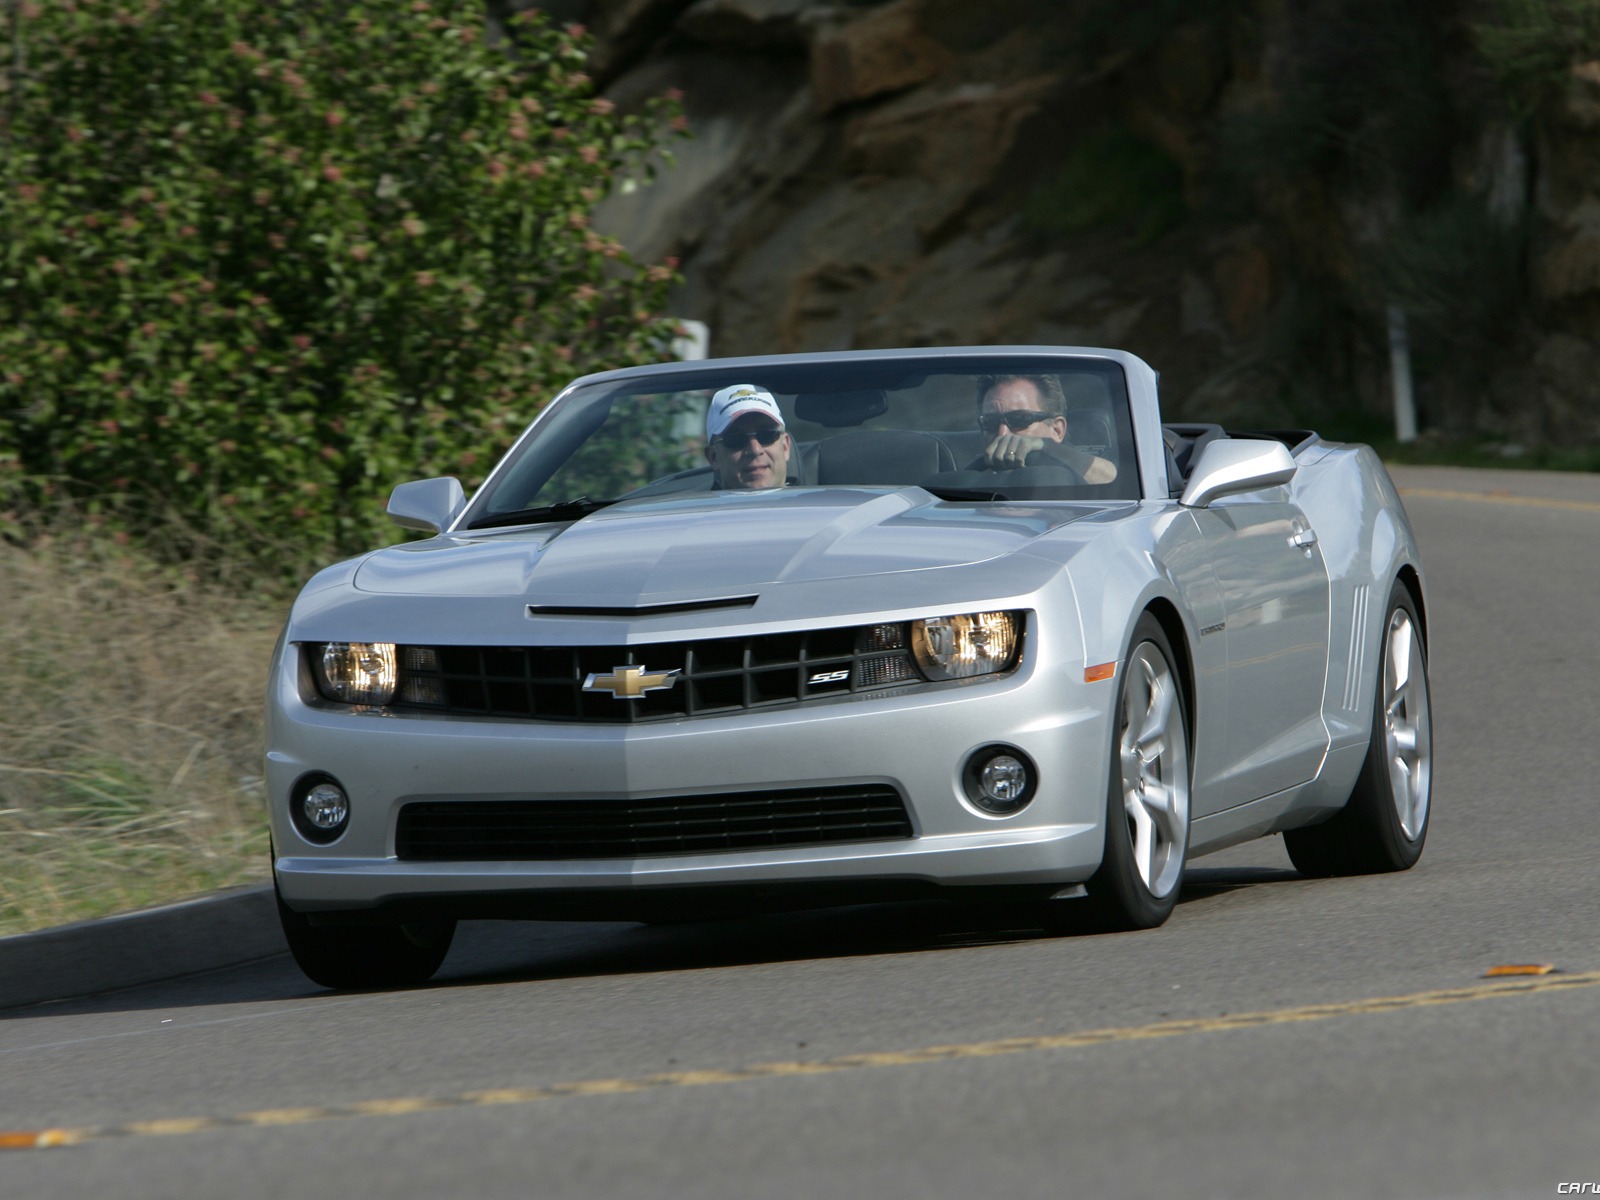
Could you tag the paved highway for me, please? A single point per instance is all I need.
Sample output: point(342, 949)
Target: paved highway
point(1279, 1037)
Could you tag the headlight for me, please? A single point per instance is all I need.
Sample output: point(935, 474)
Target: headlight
point(960, 647)
point(355, 672)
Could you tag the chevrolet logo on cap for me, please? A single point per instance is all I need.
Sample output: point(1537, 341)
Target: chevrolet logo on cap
point(629, 683)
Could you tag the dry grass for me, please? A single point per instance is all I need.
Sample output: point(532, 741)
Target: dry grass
point(130, 731)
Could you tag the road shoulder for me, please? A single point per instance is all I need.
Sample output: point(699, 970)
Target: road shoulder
point(89, 957)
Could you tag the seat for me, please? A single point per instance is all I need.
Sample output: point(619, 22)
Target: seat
point(803, 464)
point(1090, 429)
point(881, 457)
point(1184, 444)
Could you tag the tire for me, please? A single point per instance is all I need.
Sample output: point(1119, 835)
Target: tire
point(1385, 822)
point(366, 956)
point(1147, 806)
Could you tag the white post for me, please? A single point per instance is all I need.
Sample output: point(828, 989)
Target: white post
point(1405, 408)
point(693, 341)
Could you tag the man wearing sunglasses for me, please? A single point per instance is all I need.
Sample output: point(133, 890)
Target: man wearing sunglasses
point(1025, 419)
point(746, 443)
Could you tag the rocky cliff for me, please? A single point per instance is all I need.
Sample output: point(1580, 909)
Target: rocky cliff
point(1238, 190)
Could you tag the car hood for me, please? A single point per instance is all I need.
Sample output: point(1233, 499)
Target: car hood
point(713, 546)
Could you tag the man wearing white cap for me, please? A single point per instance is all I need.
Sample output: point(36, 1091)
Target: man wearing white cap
point(746, 442)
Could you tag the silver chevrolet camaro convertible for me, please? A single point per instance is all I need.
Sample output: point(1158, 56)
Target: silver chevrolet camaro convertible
point(751, 634)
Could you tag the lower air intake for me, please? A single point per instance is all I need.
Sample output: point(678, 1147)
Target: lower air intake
point(541, 830)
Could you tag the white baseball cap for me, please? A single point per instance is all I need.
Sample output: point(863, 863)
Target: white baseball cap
point(734, 401)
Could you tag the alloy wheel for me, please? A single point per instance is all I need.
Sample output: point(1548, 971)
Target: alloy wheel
point(1155, 770)
point(1407, 724)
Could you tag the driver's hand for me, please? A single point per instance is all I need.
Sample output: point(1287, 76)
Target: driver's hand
point(1010, 450)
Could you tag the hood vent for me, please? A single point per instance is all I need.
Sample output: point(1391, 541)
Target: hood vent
point(641, 610)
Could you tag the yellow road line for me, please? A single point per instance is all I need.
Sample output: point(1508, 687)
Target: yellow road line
point(42, 1138)
point(1500, 497)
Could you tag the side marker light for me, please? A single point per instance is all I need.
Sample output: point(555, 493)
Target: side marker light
point(1097, 673)
point(1520, 969)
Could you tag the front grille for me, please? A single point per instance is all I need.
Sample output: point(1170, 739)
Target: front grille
point(715, 675)
point(537, 830)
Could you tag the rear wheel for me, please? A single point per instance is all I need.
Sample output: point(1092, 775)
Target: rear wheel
point(366, 956)
point(1385, 822)
point(1147, 818)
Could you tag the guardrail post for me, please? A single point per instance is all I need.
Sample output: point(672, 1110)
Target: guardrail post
point(1405, 408)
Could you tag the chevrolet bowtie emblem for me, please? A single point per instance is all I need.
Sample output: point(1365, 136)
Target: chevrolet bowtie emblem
point(629, 683)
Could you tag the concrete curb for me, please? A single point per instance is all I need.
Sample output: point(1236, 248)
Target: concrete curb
point(222, 930)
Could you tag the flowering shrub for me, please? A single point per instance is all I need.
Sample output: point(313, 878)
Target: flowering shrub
point(264, 261)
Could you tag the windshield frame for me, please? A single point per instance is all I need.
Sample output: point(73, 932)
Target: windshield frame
point(1132, 384)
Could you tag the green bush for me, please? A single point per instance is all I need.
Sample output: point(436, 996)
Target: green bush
point(1110, 28)
point(1457, 271)
point(264, 261)
point(1532, 44)
point(1110, 178)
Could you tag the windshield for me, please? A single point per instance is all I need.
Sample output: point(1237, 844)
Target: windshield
point(1002, 428)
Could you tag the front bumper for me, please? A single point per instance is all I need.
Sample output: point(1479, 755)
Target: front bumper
point(916, 742)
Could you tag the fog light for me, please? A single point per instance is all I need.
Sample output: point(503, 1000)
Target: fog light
point(999, 780)
point(320, 809)
point(326, 806)
point(1003, 779)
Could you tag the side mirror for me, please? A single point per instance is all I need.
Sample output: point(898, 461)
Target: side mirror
point(1229, 466)
point(427, 504)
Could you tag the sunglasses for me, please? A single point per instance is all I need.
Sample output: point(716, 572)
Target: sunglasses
point(1016, 420)
point(738, 441)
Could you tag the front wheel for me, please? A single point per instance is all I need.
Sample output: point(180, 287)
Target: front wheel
point(366, 956)
point(1147, 817)
point(1385, 822)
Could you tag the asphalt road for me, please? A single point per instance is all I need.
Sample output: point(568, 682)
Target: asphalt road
point(1279, 1037)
